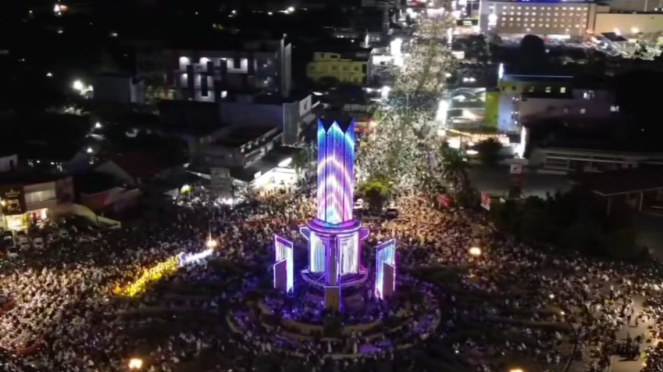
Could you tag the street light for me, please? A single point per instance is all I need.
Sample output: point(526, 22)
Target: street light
point(476, 252)
point(78, 85)
point(135, 364)
point(211, 243)
point(97, 125)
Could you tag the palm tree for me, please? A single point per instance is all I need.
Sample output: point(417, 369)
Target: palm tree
point(454, 168)
point(300, 161)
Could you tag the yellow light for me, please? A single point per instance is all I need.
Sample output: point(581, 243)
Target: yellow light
point(475, 251)
point(148, 276)
point(516, 370)
point(185, 189)
point(211, 243)
point(135, 364)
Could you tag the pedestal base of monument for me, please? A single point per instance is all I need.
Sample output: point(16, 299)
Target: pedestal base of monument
point(333, 297)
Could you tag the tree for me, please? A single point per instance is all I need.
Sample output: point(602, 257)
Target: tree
point(300, 161)
point(533, 53)
point(535, 225)
point(489, 151)
point(454, 168)
point(376, 191)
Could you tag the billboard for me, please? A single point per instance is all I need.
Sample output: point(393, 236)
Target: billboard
point(12, 200)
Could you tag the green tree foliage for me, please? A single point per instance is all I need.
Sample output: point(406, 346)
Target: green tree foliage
point(376, 191)
point(454, 168)
point(300, 161)
point(572, 221)
point(489, 151)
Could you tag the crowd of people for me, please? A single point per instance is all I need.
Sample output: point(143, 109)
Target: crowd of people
point(509, 303)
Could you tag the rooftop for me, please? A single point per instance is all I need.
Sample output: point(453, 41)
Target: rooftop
point(577, 81)
point(93, 182)
point(227, 42)
point(621, 182)
point(238, 136)
point(26, 177)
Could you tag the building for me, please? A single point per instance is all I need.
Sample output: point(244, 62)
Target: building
point(244, 158)
point(627, 23)
point(132, 169)
point(27, 197)
point(288, 115)
point(52, 158)
point(207, 75)
point(350, 67)
point(550, 18)
point(99, 192)
point(273, 174)
point(118, 88)
point(525, 98)
point(563, 160)
point(563, 19)
point(232, 147)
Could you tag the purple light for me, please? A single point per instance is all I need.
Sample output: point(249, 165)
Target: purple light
point(336, 152)
point(283, 250)
point(385, 254)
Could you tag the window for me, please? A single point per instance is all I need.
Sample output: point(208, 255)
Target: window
point(562, 90)
point(548, 89)
point(40, 196)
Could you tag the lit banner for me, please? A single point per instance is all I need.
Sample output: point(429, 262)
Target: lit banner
point(12, 200)
point(184, 258)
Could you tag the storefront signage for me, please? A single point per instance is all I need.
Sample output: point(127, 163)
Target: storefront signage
point(12, 200)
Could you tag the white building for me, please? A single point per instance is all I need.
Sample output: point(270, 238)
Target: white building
point(207, 75)
point(552, 19)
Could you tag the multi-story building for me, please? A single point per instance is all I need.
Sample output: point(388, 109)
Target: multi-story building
point(351, 67)
point(233, 147)
point(288, 115)
point(568, 18)
point(253, 66)
point(627, 23)
point(522, 98)
point(550, 18)
point(27, 197)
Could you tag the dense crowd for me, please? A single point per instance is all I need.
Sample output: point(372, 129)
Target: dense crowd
point(509, 303)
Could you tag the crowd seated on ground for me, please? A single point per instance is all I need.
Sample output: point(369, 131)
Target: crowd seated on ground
point(510, 303)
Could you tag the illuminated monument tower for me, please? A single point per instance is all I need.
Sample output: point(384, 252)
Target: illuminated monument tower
point(334, 236)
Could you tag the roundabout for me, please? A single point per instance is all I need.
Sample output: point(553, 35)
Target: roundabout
point(292, 321)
